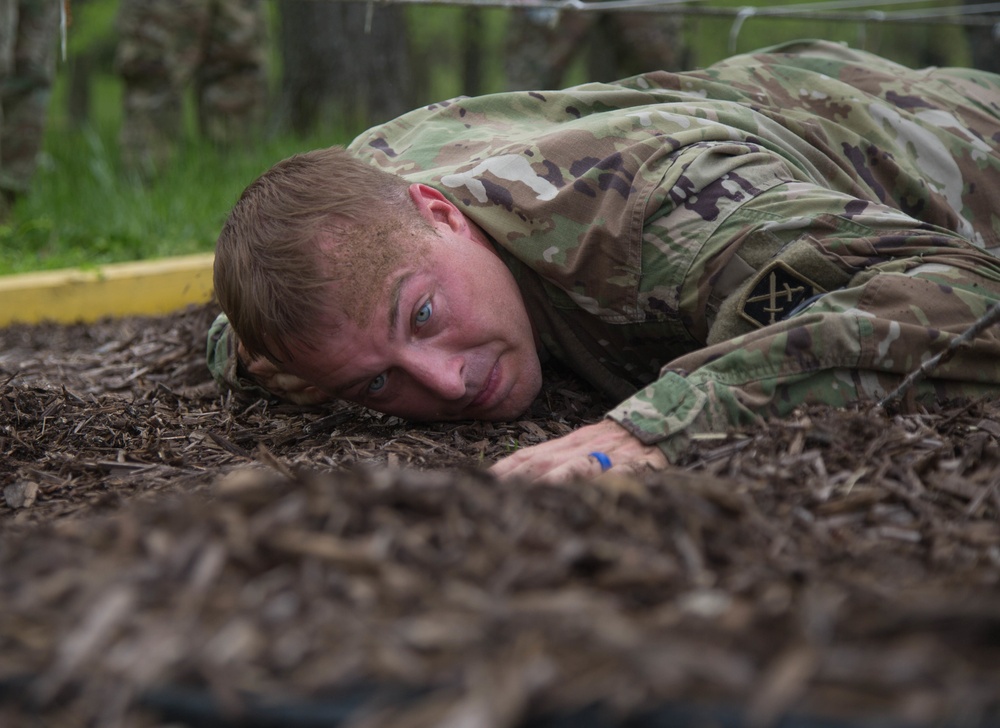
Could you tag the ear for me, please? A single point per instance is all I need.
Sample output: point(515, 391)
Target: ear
point(437, 209)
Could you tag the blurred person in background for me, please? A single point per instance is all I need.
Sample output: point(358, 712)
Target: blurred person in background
point(28, 37)
point(984, 41)
point(217, 46)
point(542, 44)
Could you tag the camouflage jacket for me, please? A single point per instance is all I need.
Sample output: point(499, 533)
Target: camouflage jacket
point(803, 224)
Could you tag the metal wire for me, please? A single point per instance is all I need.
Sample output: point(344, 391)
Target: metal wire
point(980, 14)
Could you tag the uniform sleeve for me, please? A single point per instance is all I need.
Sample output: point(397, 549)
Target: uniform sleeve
point(837, 299)
point(224, 364)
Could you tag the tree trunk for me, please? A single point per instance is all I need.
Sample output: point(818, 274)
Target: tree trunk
point(342, 63)
point(472, 52)
point(984, 43)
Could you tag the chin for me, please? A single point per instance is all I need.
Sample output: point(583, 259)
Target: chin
point(516, 404)
point(505, 415)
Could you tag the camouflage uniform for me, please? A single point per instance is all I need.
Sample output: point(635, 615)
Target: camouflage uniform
point(28, 41)
point(219, 45)
point(708, 248)
point(542, 43)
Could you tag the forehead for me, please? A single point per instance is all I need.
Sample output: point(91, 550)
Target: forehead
point(341, 346)
point(365, 263)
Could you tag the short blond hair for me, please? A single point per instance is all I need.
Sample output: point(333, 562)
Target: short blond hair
point(311, 223)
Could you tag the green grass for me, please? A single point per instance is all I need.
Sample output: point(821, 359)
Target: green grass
point(84, 210)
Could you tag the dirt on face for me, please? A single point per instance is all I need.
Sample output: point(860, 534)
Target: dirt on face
point(172, 556)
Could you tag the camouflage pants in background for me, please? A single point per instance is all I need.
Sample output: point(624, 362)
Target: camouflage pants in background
point(984, 41)
point(542, 44)
point(216, 47)
point(28, 40)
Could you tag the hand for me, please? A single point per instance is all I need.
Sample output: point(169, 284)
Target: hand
point(279, 383)
point(569, 456)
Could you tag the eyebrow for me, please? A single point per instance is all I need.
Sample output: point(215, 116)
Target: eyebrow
point(394, 296)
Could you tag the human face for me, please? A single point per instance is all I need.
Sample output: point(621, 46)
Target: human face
point(449, 337)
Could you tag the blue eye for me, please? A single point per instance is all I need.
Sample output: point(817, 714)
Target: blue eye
point(377, 384)
point(424, 314)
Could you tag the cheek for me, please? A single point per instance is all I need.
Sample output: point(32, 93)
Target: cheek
point(502, 297)
point(315, 368)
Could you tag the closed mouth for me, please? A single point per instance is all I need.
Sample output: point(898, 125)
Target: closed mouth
point(489, 387)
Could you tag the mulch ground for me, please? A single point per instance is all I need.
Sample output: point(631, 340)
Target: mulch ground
point(170, 556)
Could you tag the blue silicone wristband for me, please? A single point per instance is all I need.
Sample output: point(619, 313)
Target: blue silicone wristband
point(603, 459)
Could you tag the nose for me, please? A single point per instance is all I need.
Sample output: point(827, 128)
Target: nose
point(442, 373)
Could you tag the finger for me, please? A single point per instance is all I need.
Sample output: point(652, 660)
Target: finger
point(520, 465)
point(654, 459)
point(540, 467)
point(289, 383)
point(529, 463)
point(508, 464)
point(601, 458)
point(577, 467)
point(262, 369)
point(309, 395)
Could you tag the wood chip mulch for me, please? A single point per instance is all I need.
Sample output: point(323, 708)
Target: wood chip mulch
point(171, 556)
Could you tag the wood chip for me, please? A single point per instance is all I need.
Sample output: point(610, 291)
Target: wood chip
point(21, 494)
point(159, 538)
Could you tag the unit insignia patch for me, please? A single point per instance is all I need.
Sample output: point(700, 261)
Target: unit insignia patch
point(775, 292)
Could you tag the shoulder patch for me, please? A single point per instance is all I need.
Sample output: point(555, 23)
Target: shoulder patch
point(774, 293)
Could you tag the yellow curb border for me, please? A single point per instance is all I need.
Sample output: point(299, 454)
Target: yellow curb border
point(120, 289)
